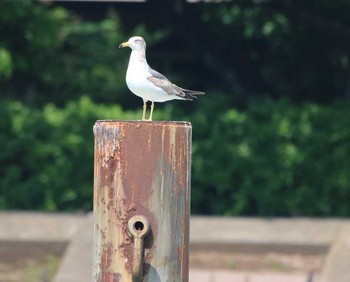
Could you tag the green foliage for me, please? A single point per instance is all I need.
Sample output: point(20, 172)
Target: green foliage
point(5, 63)
point(279, 48)
point(274, 158)
point(48, 55)
point(252, 155)
point(47, 155)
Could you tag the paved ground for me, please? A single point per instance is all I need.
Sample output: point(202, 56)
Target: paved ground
point(204, 230)
point(76, 267)
point(337, 265)
point(221, 233)
point(230, 276)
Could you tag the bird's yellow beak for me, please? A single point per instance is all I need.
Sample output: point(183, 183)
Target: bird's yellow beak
point(124, 44)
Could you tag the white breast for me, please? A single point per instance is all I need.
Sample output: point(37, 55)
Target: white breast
point(136, 79)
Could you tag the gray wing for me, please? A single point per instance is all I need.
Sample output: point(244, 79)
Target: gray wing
point(161, 81)
point(156, 74)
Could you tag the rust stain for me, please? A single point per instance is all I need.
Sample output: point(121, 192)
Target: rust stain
point(110, 277)
point(106, 258)
point(183, 261)
point(127, 159)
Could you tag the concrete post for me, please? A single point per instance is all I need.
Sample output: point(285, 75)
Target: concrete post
point(141, 201)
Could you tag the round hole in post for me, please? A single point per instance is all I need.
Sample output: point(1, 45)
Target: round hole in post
point(138, 226)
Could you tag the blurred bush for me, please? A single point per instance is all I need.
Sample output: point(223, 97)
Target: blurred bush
point(273, 158)
point(47, 155)
point(48, 55)
point(252, 155)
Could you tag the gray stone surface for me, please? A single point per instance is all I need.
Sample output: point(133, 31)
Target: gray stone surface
point(77, 263)
point(205, 231)
point(28, 226)
point(37, 226)
point(201, 275)
point(337, 265)
point(291, 231)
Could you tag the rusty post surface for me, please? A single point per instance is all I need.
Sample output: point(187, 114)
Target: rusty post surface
point(141, 169)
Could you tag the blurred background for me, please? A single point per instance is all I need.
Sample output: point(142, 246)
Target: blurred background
point(270, 138)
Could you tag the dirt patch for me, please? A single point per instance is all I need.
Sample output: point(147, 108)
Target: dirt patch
point(29, 261)
point(268, 261)
point(38, 262)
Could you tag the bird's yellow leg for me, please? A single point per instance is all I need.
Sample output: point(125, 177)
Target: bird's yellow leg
point(144, 110)
point(151, 114)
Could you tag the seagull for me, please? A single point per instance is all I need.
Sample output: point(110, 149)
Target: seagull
point(149, 84)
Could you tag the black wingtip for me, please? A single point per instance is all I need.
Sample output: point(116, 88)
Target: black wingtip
point(193, 96)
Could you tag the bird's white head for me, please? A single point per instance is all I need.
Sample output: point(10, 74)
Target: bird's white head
point(135, 43)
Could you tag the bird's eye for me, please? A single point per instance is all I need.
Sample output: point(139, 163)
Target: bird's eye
point(137, 41)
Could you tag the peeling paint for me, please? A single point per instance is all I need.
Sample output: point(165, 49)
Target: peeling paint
point(142, 168)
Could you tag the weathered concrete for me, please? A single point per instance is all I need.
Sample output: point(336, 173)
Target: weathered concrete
point(38, 226)
point(216, 232)
point(237, 276)
point(337, 265)
point(279, 231)
point(77, 263)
